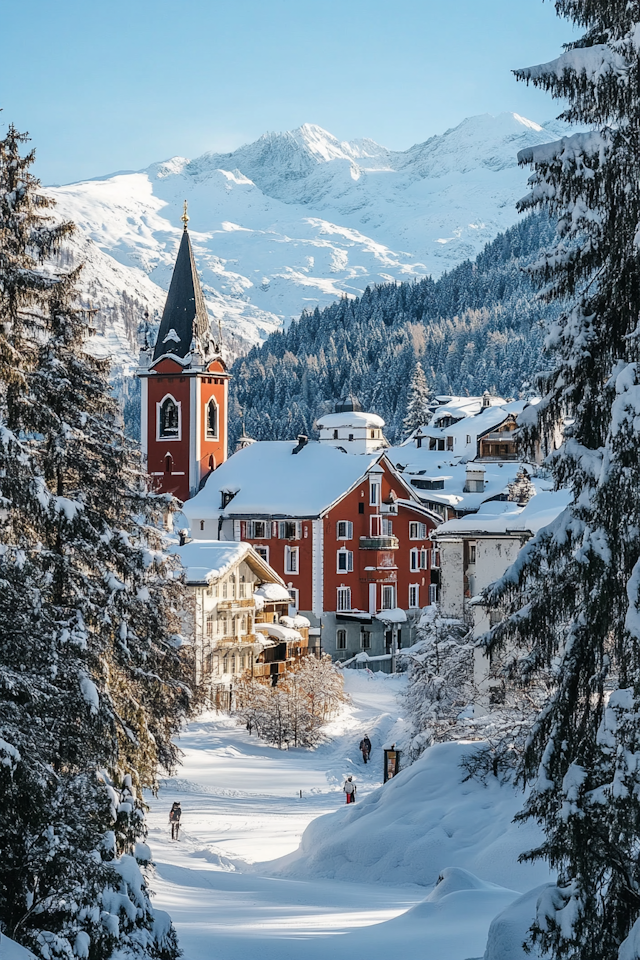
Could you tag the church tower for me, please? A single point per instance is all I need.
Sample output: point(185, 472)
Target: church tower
point(184, 388)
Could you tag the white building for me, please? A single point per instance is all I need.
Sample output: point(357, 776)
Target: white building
point(238, 603)
point(352, 430)
point(477, 549)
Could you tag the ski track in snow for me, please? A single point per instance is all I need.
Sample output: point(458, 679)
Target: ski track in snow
point(242, 809)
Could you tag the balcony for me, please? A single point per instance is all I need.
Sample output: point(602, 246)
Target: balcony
point(235, 604)
point(379, 543)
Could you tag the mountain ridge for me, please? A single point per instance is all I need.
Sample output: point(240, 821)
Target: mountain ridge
point(298, 219)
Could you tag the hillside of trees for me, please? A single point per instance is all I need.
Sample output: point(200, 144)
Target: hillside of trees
point(476, 328)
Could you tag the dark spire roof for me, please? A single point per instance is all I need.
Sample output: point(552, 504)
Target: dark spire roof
point(185, 314)
point(348, 404)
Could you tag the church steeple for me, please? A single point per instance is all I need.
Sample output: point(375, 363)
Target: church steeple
point(185, 317)
point(184, 387)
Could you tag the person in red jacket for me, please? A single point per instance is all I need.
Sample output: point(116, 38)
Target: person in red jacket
point(350, 790)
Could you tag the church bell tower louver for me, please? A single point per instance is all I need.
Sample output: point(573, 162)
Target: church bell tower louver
point(184, 387)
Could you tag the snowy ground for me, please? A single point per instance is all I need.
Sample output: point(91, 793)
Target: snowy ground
point(242, 809)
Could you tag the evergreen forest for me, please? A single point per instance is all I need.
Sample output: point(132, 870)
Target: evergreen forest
point(476, 328)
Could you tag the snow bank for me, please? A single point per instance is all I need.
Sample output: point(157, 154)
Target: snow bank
point(424, 820)
point(510, 929)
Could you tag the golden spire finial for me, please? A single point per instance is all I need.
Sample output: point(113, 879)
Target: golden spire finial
point(184, 217)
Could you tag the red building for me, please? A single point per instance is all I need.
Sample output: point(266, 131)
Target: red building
point(184, 387)
point(344, 531)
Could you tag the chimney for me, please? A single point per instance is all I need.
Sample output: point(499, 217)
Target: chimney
point(302, 442)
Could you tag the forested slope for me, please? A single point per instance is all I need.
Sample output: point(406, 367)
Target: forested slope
point(475, 328)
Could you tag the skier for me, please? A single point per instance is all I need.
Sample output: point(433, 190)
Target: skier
point(350, 790)
point(365, 747)
point(174, 819)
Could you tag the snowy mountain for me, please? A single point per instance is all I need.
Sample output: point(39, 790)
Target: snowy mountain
point(296, 220)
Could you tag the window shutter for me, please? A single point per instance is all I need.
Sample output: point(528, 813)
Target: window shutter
point(298, 530)
point(274, 528)
point(350, 529)
point(349, 560)
point(246, 531)
point(282, 531)
point(267, 529)
point(236, 530)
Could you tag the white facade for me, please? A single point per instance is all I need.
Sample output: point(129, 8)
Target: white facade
point(353, 431)
point(477, 550)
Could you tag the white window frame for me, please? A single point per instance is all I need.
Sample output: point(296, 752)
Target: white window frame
point(159, 435)
point(282, 528)
point(473, 553)
point(367, 634)
point(389, 590)
point(414, 559)
point(289, 562)
point(294, 594)
point(417, 530)
point(375, 521)
point(207, 433)
point(252, 530)
point(348, 526)
point(435, 558)
point(375, 493)
point(347, 555)
point(343, 600)
point(433, 593)
point(414, 596)
point(263, 551)
point(341, 639)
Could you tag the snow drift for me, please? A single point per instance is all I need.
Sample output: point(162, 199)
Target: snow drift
point(418, 824)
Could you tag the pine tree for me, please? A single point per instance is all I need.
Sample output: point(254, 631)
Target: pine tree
point(417, 414)
point(574, 593)
point(92, 681)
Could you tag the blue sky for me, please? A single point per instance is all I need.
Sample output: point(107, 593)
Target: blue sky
point(117, 85)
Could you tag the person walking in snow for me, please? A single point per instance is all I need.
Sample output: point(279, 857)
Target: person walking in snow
point(350, 790)
point(365, 747)
point(174, 819)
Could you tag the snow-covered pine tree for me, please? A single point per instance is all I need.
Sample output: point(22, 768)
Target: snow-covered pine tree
point(417, 401)
point(574, 592)
point(93, 683)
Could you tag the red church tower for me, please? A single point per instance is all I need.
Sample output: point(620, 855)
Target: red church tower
point(184, 388)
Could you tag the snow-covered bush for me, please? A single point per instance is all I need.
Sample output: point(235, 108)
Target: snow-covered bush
point(443, 702)
point(294, 711)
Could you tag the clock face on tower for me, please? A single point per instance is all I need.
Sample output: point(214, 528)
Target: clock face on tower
point(184, 388)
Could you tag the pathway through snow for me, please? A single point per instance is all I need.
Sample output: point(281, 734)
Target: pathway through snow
point(242, 808)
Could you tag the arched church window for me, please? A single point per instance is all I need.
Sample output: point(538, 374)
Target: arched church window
point(212, 420)
point(169, 419)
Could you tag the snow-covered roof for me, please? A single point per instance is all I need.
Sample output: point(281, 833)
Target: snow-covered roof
point(269, 480)
point(395, 615)
point(278, 632)
point(208, 560)
point(351, 418)
point(508, 518)
point(272, 592)
point(424, 465)
point(295, 623)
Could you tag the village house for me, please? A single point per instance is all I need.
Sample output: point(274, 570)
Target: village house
point(477, 549)
point(238, 618)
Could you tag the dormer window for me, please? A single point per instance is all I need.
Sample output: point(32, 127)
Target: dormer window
point(211, 420)
point(168, 419)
